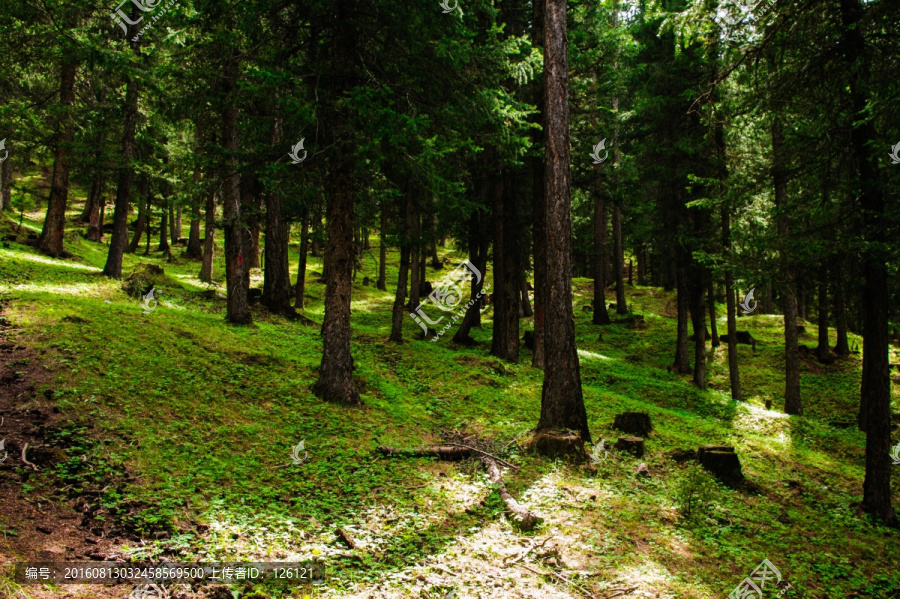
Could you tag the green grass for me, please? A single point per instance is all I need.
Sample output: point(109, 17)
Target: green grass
point(188, 422)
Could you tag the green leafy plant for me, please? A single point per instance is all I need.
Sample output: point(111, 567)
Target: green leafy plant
point(695, 492)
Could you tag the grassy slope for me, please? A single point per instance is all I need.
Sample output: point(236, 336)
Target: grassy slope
point(187, 420)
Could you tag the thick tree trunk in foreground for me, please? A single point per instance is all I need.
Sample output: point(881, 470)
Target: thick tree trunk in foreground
point(300, 288)
point(209, 242)
point(117, 243)
point(875, 398)
point(51, 240)
point(792, 403)
point(336, 371)
point(731, 319)
point(237, 308)
point(562, 403)
point(600, 262)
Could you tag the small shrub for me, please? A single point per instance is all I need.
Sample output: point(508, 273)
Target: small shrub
point(695, 491)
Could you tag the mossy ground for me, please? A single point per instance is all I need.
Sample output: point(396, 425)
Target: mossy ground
point(186, 423)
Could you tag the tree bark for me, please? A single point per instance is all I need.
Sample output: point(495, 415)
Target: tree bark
point(300, 289)
point(237, 307)
point(478, 252)
point(93, 199)
point(875, 396)
point(95, 220)
point(621, 307)
point(277, 276)
point(792, 404)
point(51, 240)
point(415, 281)
point(250, 204)
point(209, 242)
point(562, 403)
point(113, 267)
point(601, 261)
point(336, 371)
point(6, 177)
point(172, 232)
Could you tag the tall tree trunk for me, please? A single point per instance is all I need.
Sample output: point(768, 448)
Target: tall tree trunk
point(526, 311)
point(95, 219)
point(93, 199)
point(164, 219)
point(382, 250)
point(143, 213)
point(117, 243)
point(51, 240)
point(682, 363)
point(408, 213)
point(562, 403)
point(792, 403)
point(621, 307)
point(336, 371)
point(875, 397)
point(415, 272)
point(6, 177)
point(600, 261)
point(300, 288)
point(842, 346)
point(277, 275)
point(209, 241)
point(173, 233)
point(711, 299)
point(538, 201)
point(237, 307)
point(823, 350)
point(478, 252)
point(733, 375)
point(505, 333)
point(178, 226)
point(698, 321)
point(250, 200)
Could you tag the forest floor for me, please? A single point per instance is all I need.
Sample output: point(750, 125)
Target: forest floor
point(168, 435)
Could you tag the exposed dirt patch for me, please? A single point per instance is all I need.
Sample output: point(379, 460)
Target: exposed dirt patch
point(36, 528)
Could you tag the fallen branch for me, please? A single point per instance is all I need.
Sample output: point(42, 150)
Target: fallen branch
point(435, 451)
point(527, 551)
point(562, 578)
point(620, 592)
point(346, 538)
point(25, 460)
point(526, 519)
point(486, 454)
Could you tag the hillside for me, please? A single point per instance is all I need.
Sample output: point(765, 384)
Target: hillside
point(168, 435)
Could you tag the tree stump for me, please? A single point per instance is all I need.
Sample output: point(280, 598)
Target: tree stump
point(721, 462)
point(565, 444)
point(633, 423)
point(633, 445)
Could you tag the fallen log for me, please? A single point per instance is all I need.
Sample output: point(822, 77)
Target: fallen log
point(525, 519)
point(443, 452)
